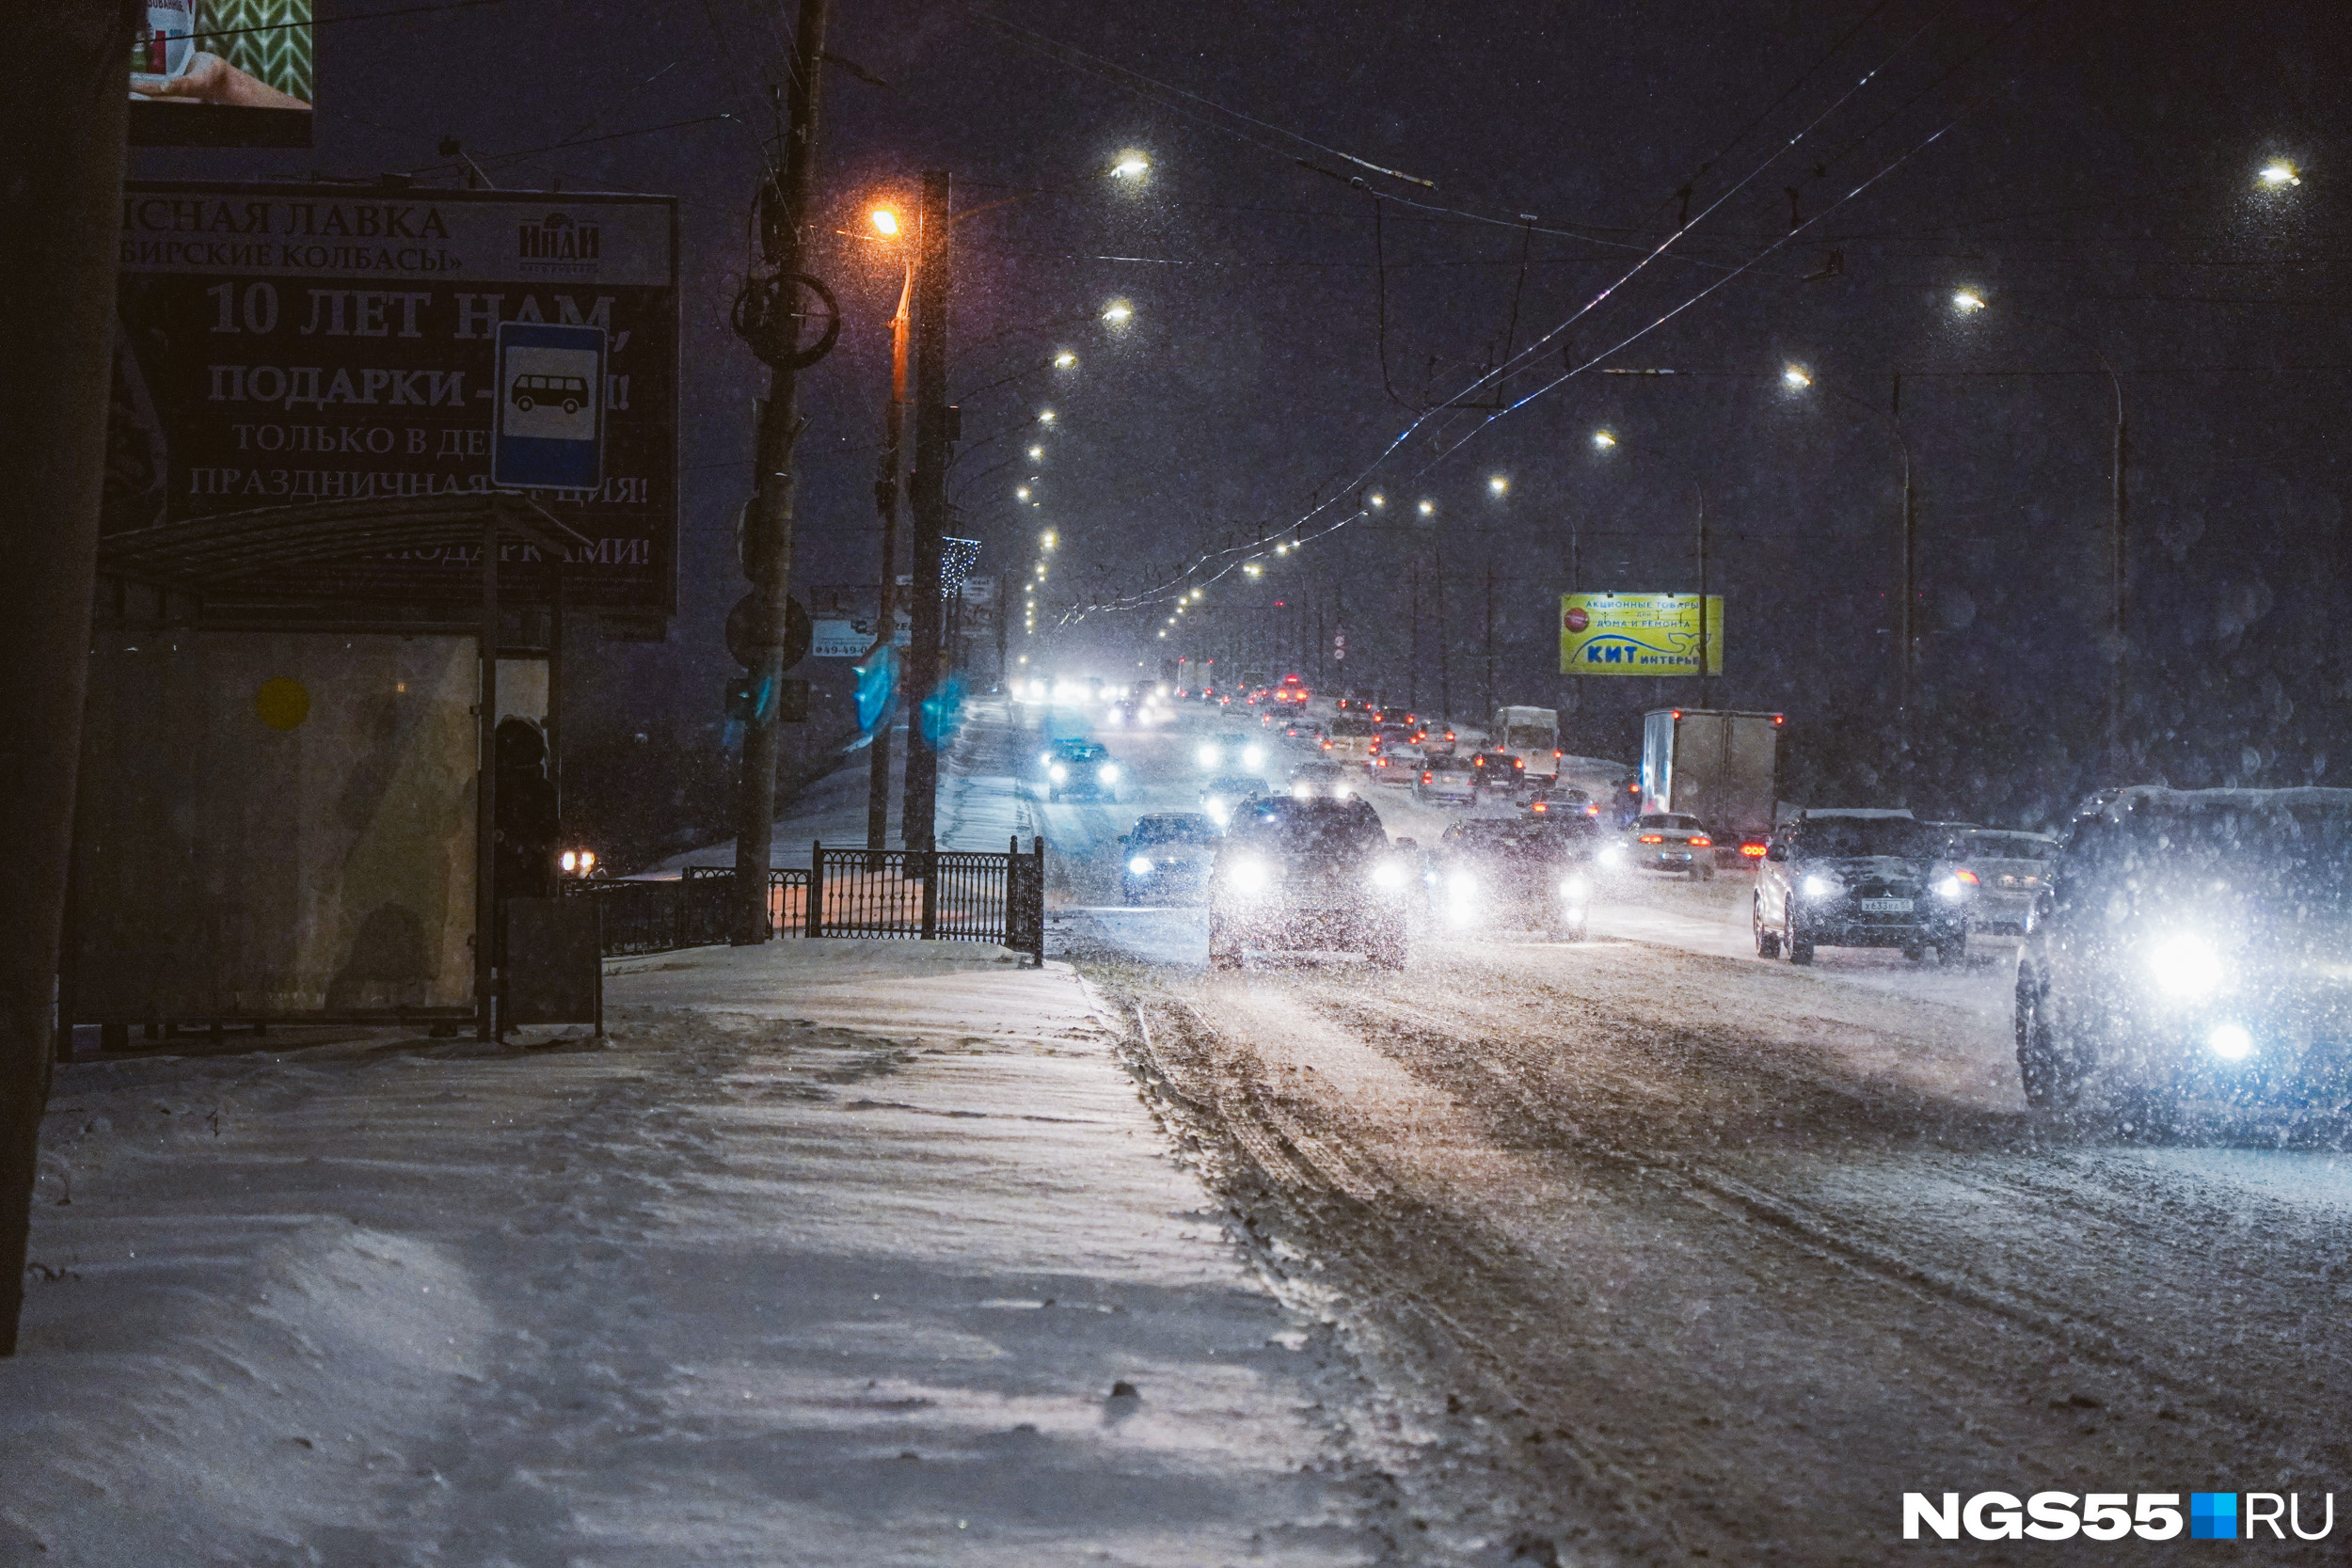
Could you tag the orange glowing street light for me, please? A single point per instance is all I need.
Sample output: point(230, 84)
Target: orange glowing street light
point(886, 221)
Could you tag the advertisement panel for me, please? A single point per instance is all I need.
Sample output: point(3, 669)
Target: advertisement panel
point(223, 73)
point(1638, 634)
point(291, 344)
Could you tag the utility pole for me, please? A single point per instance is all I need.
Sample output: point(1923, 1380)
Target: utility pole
point(767, 533)
point(886, 503)
point(1412, 656)
point(62, 123)
point(1703, 649)
point(1445, 697)
point(929, 486)
point(1487, 686)
point(1905, 654)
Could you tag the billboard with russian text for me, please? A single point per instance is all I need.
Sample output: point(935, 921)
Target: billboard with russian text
point(223, 73)
point(1638, 634)
point(295, 343)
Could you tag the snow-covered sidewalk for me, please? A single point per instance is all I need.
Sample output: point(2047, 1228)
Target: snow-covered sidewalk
point(836, 1253)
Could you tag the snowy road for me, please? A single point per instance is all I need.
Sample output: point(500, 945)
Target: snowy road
point(1686, 1252)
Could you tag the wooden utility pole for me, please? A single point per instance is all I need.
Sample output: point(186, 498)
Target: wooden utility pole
point(784, 199)
point(64, 109)
point(932, 440)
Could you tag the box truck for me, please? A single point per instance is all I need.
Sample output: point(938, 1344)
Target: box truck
point(1721, 768)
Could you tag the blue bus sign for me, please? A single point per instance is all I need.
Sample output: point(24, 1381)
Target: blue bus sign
point(551, 407)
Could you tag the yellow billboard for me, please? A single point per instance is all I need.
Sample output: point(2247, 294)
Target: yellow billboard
point(1638, 634)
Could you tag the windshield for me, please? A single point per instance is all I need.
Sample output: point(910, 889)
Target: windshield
point(1449, 765)
point(2301, 854)
point(1345, 725)
point(1846, 838)
point(1174, 829)
point(1670, 819)
point(1307, 828)
point(2009, 846)
point(1082, 750)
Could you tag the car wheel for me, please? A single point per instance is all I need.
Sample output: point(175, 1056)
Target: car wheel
point(1915, 953)
point(1798, 950)
point(1767, 942)
point(2050, 1073)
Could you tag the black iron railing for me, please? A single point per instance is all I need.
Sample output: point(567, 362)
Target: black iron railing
point(933, 896)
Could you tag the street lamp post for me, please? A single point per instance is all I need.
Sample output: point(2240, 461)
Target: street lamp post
point(886, 485)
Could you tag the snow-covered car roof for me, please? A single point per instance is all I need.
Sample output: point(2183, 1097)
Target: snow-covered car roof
point(2115, 804)
point(1815, 813)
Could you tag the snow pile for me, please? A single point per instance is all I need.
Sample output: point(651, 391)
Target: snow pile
point(837, 1253)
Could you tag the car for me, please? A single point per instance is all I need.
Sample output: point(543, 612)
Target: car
point(1447, 778)
point(1309, 876)
point(1350, 738)
point(1082, 769)
point(1395, 764)
point(1300, 728)
point(1516, 874)
point(1858, 879)
point(2003, 872)
point(1330, 781)
point(1169, 853)
point(1226, 793)
point(1499, 771)
point(2191, 944)
point(1671, 841)
point(1561, 801)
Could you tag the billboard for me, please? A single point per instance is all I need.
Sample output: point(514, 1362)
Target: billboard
point(1638, 634)
point(282, 343)
point(222, 73)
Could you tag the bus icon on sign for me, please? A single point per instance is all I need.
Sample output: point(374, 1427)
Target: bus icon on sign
point(568, 392)
point(550, 424)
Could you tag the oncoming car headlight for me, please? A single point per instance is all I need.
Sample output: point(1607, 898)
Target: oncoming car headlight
point(1252, 757)
point(1108, 773)
point(1058, 774)
point(1248, 877)
point(2186, 967)
point(1140, 866)
point(1208, 756)
point(1388, 874)
point(1818, 886)
point(1574, 888)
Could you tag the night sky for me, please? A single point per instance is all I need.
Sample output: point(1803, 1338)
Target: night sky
point(2091, 169)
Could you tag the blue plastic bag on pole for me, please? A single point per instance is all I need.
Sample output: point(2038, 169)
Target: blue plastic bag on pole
point(943, 715)
point(877, 687)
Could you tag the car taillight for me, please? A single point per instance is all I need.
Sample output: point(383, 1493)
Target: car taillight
point(1653, 838)
point(1556, 756)
point(1540, 806)
point(1327, 745)
point(1753, 851)
point(1700, 841)
point(1963, 875)
point(1518, 762)
point(1424, 778)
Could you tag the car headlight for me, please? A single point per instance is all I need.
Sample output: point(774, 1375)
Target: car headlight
point(1058, 774)
point(1818, 886)
point(1574, 888)
point(2186, 967)
point(1140, 866)
point(1219, 813)
point(1388, 874)
point(1252, 757)
point(1046, 759)
point(1248, 878)
point(1612, 854)
point(1208, 756)
point(2231, 1042)
point(1950, 888)
point(1302, 790)
point(1108, 773)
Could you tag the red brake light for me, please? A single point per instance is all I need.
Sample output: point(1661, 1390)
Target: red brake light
point(1556, 756)
point(1752, 851)
point(1700, 841)
point(1964, 874)
point(1424, 778)
point(1540, 806)
point(1653, 838)
point(1518, 762)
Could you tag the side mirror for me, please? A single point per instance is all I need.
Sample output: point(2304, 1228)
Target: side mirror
point(1776, 853)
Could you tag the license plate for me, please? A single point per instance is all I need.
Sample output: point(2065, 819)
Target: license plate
point(1886, 905)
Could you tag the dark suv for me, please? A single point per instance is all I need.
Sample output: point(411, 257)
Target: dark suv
point(2192, 943)
point(1308, 875)
point(1859, 879)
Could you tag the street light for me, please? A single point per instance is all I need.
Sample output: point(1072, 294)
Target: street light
point(1049, 539)
point(1131, 166)
point(2280, 174)
point(1118, 312)
point(1604, 439)
point(1966, 300)
point(1796, 378)
point(886, 221)
point(1428, 508)
point(1065, 360)
point(1036, 454)
point(1022, 493)
point(1377, 500)
point(1046, 416)
point(1497, 484)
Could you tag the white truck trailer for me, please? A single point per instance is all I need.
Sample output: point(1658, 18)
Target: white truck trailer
point(1721, 768)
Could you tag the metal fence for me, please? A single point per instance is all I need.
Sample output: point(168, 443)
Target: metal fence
point(933, 896)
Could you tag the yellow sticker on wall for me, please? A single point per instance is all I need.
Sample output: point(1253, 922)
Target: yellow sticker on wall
point(282, 703)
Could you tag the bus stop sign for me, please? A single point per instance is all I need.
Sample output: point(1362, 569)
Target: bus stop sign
point(551, 407)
